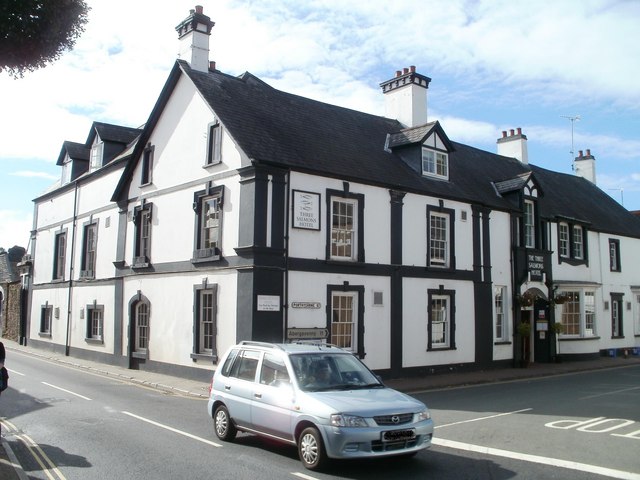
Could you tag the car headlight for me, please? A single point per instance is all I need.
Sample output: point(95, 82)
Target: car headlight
point(424, 415)
point(339, 420)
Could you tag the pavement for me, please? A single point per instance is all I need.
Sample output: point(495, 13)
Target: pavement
point(10, 468)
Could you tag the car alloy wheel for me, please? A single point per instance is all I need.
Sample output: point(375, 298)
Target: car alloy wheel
point(225, 430)
point(310, 448)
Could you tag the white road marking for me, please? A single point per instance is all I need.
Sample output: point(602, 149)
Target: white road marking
point(483, 418)
point(302, 475)
point(171, 429)
point(614, 392)
point(554, 462)
point(67, 391)
point(11, 370)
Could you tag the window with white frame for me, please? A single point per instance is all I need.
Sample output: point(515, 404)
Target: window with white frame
point(435, 163)
point(141, 325)
point(209, 212)
point(636, 309)
point(441, 319)
point(578, 313)
point(344, 233)
point(214, 143)
point(67, 168)
point(59, 260)
point(142, 235)
point(440, 237)
point(95, 319)
point(614, 255)
point(616, 316)
point(205, 314)
point(529, 224)
point(500, 311)
point(46, 312)
point(563, 240)
point(147, 164)
point(343, 319)
point(89, 244)
point(97, 150)
point(578, 242)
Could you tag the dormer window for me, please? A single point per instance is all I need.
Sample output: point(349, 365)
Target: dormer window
point(66, 171)
point(96, 154)
point(529, 224)
point(435, 163)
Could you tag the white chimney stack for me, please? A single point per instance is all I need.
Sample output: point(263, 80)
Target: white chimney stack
point(514, 145)
point(194, 32)
point(585, 166)
point(406, 97)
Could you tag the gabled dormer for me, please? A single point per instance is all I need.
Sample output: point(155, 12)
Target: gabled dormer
point(525, 193)
point(74, 160)
point(105, 142)
point(425, 149)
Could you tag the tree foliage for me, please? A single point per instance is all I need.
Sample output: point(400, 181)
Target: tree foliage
point(34, 33)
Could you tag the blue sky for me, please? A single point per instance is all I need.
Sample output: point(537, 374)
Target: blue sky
point(494, 65)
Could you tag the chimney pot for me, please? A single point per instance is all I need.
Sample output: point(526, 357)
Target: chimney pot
point(412, 69)
point(511, 132)
point(588, 152)
point(212, 65)
point(199, 9)
point(398, 73)
point(519, 131)
point(504, 134)
point(405, 70)
point(579, 153)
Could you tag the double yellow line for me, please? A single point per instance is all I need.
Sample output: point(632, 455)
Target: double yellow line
point(46, 464)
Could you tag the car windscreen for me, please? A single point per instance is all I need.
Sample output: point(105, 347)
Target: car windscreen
point(322, 371)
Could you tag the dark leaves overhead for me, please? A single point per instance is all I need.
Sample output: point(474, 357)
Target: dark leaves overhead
point(34, 33)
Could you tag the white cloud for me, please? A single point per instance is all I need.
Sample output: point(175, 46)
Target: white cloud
point(14, 228)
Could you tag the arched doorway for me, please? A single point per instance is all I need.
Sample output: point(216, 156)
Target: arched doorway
point(139, 329)
point(535, 312)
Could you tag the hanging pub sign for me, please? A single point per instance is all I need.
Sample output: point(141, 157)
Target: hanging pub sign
point(306, 210)
point(535, 266)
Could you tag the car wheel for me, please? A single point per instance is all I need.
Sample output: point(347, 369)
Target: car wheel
point(311, 449)
point(224, 427)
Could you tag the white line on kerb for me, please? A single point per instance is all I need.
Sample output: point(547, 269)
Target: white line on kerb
point(583, 467)
point(171, 429)
point(67, 391)
point(483, 418)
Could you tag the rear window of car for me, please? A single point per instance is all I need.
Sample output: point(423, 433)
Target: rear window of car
point(226, 368)
point(245, 365)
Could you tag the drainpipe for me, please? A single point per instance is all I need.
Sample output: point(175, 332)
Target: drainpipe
point(67, 345)
point(285, 293)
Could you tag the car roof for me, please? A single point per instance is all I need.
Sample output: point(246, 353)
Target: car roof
point(298, 347)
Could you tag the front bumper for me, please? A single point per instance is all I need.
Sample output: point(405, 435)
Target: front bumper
point(346, 442)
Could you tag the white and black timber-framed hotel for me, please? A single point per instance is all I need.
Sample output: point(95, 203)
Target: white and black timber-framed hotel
point(242, 212)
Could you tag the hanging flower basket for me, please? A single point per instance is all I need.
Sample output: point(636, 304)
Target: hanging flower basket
point(560, 299)
point(526, 300)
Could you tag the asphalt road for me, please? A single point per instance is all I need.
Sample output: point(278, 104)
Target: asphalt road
point(65, 423)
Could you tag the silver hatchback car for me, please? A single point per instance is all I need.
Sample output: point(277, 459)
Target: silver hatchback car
point(318, 397)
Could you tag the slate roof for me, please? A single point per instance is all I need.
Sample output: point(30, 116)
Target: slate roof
point(8, 264)
point(76, 151)
point(281, 129)
point(113, 133)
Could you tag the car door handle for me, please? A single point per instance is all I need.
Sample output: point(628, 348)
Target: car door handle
point(227, 387)
point(257, 395)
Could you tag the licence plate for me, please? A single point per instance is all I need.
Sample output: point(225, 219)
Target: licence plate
point(394, 435)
